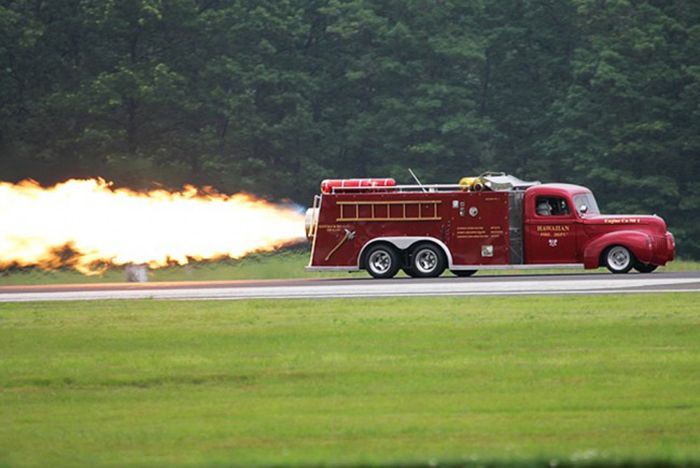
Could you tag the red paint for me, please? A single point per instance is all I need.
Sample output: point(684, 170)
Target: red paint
point(566, 237)
point(328, 185)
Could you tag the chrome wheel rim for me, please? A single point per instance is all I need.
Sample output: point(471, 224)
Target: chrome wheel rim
point(619, 258)
point(426, 260)
point(380, 261)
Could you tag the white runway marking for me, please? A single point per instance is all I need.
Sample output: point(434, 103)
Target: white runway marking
point(438, 287)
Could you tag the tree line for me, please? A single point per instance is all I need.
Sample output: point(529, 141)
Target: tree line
point(271, 96)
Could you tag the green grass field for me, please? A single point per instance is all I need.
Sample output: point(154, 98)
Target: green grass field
point(582, 379)
point(288, 263)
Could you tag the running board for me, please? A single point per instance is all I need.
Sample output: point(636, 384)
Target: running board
point(536, 266)
point(532, 266)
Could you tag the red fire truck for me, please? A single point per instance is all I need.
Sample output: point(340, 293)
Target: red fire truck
point(492, 221)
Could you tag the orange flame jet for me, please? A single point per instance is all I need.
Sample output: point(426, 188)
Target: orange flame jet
point(97, 225)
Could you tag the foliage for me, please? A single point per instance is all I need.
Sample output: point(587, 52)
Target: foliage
point(271, 96)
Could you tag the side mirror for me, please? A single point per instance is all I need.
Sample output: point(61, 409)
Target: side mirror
point(583, 209)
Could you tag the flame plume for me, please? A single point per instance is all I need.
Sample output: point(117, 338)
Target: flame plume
point(84, 223)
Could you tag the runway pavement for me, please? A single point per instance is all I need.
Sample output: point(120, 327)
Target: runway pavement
point(594, 283)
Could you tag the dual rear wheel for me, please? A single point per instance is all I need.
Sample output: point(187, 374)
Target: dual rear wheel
point(424, 260)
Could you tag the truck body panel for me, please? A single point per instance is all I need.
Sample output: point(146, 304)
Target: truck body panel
point(413, 215)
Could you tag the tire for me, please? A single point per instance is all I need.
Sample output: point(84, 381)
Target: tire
point(644, 268)
point(409, 272)
point(382, 261)
point(463, 273)
point(427, 261)
point(618, 259)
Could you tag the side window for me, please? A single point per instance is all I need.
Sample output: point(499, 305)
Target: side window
point(551, 206)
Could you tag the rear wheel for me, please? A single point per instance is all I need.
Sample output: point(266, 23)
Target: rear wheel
point(408, 272)
point(427, 261)
point(382, 261)
point(644, 268)
point(618, 259)
point(463, 273)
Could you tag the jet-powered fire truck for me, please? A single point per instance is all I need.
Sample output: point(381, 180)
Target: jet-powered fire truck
point(488, 222)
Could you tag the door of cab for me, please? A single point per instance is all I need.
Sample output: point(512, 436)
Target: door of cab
point(550, 229)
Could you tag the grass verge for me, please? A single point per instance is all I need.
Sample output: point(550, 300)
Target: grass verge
point(288, 263)
point(590, 379)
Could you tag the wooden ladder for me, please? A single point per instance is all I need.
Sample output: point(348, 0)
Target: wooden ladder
point(381, 210)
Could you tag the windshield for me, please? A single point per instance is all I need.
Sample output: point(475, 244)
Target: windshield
point(588, 200)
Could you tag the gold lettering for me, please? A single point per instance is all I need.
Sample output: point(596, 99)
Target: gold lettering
point(623, 221)
point(554, 228)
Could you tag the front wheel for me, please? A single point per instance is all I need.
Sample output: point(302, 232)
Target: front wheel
point(644, 268)
point(463, 273)
point(427, 261)
point(618, 259)
point(382, 261)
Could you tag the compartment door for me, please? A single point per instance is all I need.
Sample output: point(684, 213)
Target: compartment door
point(479, 228)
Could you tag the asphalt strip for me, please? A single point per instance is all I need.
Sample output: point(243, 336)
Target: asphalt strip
point(635, 284)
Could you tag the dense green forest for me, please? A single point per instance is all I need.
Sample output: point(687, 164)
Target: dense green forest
point(271, 96)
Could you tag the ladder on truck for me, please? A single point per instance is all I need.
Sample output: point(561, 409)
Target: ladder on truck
point(392, 210)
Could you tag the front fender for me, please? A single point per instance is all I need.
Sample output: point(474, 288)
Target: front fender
point(639, 243)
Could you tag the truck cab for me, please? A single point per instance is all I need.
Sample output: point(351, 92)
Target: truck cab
point(563, 224)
